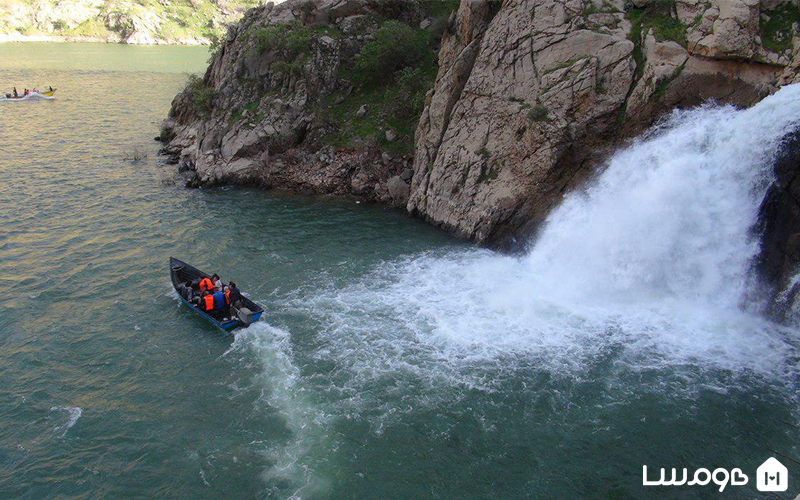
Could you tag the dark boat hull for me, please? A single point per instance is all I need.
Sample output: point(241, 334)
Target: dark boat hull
point(180, 272)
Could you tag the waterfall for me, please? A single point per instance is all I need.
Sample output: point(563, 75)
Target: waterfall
point(651, 264)
point(671, 215)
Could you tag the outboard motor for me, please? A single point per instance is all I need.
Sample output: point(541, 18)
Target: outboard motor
point(245, 316)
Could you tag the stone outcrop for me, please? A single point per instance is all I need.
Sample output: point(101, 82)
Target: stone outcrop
point(264, 124)
point(530, 96)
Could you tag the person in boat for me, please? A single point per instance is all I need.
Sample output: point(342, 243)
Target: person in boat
point(206, 284)
point(219, 302)
point(233, 296)
point(26, 92)
point(207, 302)
point(187, 292)
point(15, 92)
point(50, 89)
point(217, 282)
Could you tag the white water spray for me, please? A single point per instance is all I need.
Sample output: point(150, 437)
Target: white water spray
point(652, 260)
point(671, 217)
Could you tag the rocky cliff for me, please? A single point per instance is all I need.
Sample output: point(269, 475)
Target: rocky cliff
point(531, 93)
point(528, 97)
point(315, 96)
point(119, 21)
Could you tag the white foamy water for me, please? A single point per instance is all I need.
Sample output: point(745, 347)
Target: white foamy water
point(73, 414)
point(652, 261)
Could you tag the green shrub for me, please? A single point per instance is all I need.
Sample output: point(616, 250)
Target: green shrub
point(269, 37)
point(288, 41)
point(412, 85)
point(660, 16)
point(776, 32)
point(396, 46)
point(201, 95)
point(288, 68)
point(539, 113)
point(298, 39)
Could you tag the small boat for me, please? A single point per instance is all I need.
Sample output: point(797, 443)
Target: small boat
point(249, 312)
point(47, 94)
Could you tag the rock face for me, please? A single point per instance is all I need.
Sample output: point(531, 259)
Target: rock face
point(529, 97)
point(779, 221)
point(531, 93)
point(166, 21)
point(275, 95)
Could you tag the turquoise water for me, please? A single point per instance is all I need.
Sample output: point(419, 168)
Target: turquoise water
point(386, 367)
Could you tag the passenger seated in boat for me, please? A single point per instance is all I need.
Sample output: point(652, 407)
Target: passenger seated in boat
point(206, 285)
point(187, 292)
point(219, 302)
point(207, 303)
point(217, 282)
point(51, 88)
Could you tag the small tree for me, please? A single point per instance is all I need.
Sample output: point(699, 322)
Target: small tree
point(396, 46)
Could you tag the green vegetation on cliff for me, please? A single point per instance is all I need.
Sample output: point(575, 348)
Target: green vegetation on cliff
point(776, 27)
point(391, 76)
point(200, 94)
point(661, 18)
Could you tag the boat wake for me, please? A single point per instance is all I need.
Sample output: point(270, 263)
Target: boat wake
point(35, 96)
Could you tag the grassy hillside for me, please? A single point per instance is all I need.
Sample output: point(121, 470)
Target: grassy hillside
point(137, 21)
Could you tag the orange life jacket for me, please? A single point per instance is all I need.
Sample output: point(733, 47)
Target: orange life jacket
point(227, 296)
point(209, 300)
point(205, 284)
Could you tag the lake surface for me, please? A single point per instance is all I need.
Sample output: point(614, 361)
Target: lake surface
point(393, 361)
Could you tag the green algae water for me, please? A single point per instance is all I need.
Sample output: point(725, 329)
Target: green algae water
point(393, 361)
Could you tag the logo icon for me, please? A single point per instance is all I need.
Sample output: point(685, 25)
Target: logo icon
point(772, 476)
